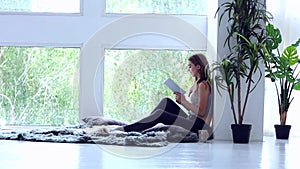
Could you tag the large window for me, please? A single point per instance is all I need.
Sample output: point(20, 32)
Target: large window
point(196, 7)
point(49, 6)
point(134, 80)
point(66, 33)
point(39, 85)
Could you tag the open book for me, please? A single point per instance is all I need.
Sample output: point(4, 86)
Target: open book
point(173, 86)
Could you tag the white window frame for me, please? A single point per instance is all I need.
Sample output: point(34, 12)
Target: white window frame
point(69, 30)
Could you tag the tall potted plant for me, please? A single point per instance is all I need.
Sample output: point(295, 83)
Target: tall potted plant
point(282, 69)
point(246, 37)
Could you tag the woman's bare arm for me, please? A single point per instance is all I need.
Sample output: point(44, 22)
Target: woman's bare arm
point(204, 92)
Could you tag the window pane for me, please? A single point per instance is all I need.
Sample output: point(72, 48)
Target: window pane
point(134, 80)
point(52, 6)
point(39, 86)
point(197, 7)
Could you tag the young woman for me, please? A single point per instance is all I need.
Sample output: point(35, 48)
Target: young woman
point(198, 105)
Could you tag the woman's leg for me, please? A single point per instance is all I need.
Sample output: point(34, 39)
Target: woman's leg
point(165, 105)
point(168, 105)
point(167, 118)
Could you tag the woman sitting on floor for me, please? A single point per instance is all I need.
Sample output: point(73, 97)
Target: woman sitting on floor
point(168, 112)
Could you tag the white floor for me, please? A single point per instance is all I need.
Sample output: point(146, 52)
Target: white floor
point(269, 154)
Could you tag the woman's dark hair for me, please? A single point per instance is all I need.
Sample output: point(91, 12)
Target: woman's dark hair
point(200, 59)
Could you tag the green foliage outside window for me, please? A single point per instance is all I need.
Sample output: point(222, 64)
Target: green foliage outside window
point(197, 7)
point(48, 6)
point(15, 5)
point(39, 86)
point(134, 80)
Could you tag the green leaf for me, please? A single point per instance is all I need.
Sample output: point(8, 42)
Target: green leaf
point(297, 85)
point(296, 44)
point(274, 36)
point(290, 53)
point(279, 75)
point(290, 78)
point(271, 76)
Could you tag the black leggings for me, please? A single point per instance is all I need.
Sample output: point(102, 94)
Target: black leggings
point(168, 113)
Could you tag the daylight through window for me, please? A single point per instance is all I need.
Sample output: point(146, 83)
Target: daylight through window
point(134, 80)
point(193, 7)
point(48, 6)
point(39, 86)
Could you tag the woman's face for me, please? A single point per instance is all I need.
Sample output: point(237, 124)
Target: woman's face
point(193, 69)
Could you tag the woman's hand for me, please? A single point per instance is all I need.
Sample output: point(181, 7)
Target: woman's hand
point(180, 98)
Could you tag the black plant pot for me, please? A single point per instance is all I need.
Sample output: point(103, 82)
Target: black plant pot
point(282, 131)
point(241, 133)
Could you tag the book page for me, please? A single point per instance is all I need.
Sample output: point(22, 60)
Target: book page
point(173, 86)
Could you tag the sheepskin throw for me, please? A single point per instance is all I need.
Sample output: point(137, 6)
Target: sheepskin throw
point(98, 130)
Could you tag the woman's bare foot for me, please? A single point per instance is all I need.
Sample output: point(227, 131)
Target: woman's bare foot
point(120, 128)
